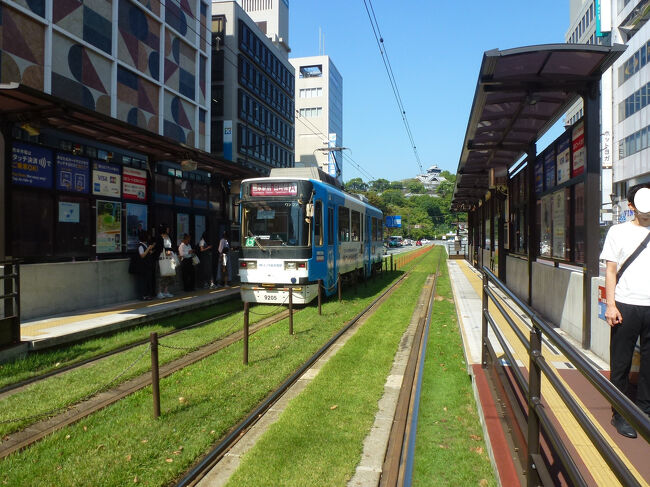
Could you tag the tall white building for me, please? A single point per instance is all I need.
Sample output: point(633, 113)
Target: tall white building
point(319, 114)
point(625, 93)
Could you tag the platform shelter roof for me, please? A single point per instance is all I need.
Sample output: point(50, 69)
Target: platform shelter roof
point(20, 103)
point(520, 94)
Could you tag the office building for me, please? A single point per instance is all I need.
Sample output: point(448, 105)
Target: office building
point(252, 85)
point(319, 114)
point(625, 91)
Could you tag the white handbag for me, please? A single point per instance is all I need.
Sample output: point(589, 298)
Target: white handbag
point(167, 266)
point(195, 260)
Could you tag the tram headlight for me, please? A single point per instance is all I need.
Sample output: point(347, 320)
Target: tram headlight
point(247, 264)
point(292, 266)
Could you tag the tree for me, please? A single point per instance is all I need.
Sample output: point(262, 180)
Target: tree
point(445, 189)
point(397, 185)
point(379, 185)
point(415, 187)
point(356, 185)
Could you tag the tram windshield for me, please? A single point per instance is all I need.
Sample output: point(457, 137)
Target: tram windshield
point(275, 223)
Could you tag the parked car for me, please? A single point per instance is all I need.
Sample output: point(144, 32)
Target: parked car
point(395, 241)
point(418, 243)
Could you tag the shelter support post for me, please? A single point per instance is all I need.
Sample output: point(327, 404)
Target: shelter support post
point(4, 177)
point(591, 102)
point(532, 238)
point(501, 236)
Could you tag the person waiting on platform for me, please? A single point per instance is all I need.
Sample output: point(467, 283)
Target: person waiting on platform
point(185, 252)
point(627, 288)
point(146, 266)
point(205, 266)
point(224, 250)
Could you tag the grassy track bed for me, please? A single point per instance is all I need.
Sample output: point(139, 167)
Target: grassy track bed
point(319, 438)
point(449, 432)
point(42, 362)
point(122, 443)
point(52, 395)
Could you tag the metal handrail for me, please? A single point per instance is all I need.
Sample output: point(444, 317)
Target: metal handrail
point(537, 418)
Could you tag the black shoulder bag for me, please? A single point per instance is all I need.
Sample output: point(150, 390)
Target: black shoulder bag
point(634, 255)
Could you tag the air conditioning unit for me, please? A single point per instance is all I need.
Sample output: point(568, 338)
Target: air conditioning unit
point(188, 165)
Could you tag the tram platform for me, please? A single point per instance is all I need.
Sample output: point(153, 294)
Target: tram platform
point(56, 330)
point(466, 285)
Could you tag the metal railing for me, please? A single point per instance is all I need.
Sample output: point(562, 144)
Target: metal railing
point(538, 419)
point(9, 302)
point(457, 248)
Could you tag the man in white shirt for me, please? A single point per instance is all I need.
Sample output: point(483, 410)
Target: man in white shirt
point(185, 252)
point(628, 301)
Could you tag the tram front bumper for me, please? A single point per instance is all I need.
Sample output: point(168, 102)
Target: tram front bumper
point(278, 293)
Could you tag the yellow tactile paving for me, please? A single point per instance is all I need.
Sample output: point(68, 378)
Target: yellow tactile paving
point(589, 455)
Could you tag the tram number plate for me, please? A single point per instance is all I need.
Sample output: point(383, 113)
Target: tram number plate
point(270, 297)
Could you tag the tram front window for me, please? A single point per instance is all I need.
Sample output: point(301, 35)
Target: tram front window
point(276, 223)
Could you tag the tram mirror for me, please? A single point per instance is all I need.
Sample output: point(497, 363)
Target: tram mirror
point(309, 210)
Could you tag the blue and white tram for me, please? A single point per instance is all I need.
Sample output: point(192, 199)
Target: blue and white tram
point(297, 229)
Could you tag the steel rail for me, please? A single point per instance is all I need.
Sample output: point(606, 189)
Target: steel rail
point(194, 475)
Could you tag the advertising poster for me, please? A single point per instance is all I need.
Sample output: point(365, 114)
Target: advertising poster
point(134, 184)
point(549, 169)
point(136, 220)
point(182, 226)
point(109, 227)
point(563, 159)
point(546, 236)
point(559, 225)
point(578, 150)
point(72, 173)
point(68, 212)
point(539, 174)
point(31, 165)
point(106, 179)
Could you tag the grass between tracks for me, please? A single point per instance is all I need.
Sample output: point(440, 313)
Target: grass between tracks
point(449, 432)
point(318, 440)
point(123, 444)
point(42, 362)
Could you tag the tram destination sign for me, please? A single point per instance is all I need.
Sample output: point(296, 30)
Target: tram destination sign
point(274, 189)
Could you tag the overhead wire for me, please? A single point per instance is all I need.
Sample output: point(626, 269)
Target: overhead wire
point(391, 77)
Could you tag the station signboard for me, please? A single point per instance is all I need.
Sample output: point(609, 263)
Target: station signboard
point(394, 221)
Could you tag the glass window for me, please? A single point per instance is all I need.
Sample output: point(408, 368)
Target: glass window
point(356, 226)
point(276, 223)
point(318, 223)
point(182, 192)
point(32, 216)
point(344, 224)
point(72, 232)
point(163, 188)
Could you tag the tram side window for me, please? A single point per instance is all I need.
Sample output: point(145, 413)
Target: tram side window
point(318, 223)
point(330, 226)
point(344, 224)
point(356, 226)
point(373, 231)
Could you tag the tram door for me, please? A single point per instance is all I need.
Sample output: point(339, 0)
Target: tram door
point(367, 244)
point(331, 250)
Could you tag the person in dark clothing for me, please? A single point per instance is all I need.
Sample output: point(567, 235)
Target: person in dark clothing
point(185, 253)
point(146, 276)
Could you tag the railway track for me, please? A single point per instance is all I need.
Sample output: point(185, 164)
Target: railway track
point(194, 476)
point(33, 433)
point(398, 463)
point(17, 386)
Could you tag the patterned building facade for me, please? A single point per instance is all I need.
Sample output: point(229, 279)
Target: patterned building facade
point(142, 62)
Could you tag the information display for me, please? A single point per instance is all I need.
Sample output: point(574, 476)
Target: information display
point(136, 220)
point(563, 159)
point(539, 174)
point(549, 169)
point(106, 179)
point(578, 149)
point(72, 173)
point(274, 189)
point(31, 165)
point(134, 184)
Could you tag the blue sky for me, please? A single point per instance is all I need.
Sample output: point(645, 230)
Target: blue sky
point(435, 49)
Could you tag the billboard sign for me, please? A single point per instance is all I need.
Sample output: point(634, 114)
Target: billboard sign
point(134, 184)
point(106, 179)
point(72, 173)
point(394, 221)
point(31, 165)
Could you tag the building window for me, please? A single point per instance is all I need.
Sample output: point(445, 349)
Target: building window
point(311, 92)
point(311, 112)
point(315, 71)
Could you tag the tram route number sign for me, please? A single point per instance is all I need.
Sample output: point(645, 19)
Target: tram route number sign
point(274, 189)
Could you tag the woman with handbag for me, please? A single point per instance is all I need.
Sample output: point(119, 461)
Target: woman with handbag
point(145, 267)
point(165, 277)
point(186, 254)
